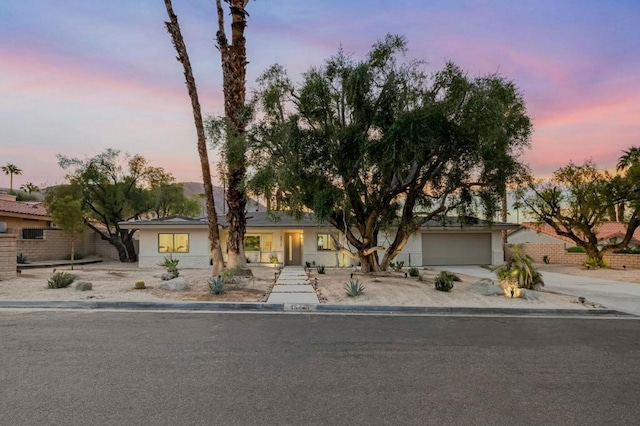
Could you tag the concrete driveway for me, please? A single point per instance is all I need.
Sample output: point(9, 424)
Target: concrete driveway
point(618, 295)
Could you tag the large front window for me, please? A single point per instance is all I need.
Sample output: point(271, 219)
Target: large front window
point(173, 243)
point(325, 243)
point(252, 243)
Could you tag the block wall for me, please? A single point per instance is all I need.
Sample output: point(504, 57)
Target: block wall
point(7, 256)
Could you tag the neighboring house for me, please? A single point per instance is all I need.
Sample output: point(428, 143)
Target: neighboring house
point(25, 219)
point(38, 239)
point(542, 233)
point(293, 242)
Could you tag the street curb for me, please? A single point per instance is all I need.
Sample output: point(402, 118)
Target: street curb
point(311, 308)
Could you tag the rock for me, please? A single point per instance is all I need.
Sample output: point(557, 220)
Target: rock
point(84, 286)
point(487, 288)
point(528, 294)
point(176, 284)
point(167, 276)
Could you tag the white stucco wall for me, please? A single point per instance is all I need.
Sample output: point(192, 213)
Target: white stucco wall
point(197, 257)
point(526, 235)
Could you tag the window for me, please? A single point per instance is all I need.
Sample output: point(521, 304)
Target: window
point(252, 243)
point(173, 243)
point(325, 243)
point(32, 233)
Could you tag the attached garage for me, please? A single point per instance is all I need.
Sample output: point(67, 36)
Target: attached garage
point(449, 248)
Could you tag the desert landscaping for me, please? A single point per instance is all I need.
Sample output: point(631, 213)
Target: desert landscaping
point(114, 281)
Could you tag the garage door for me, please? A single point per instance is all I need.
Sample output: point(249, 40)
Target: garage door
point(456, 249)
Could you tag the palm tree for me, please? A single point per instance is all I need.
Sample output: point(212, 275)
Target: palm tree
point(212, 218)
point(629, 157)
point(29, 188)
point(234, 71)
point(11, 169)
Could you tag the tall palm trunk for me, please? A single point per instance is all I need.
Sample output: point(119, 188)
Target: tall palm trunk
point(212, 218)
point(234, 65)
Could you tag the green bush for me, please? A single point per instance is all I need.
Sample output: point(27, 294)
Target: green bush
point(576, 249)
point(628, 250)
point(216, 285)
point(520, 270)
point(444, 281)
point(139, 285)
point(396, 266)
point(320, 269)
point(60, 280)
point(545, 259)
point(171, 265)
point(414, 272)
point(450, 275)
point(354, 288)
point(592, 263)
point(21, 259)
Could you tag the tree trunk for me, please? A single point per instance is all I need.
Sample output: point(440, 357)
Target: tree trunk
point(73, 250)
point(369, 263)
point(504, 216)
point(234, 64)
point(596, 255)
point(212, 218)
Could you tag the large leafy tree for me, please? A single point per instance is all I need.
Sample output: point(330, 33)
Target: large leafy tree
point(113, 189)
point(11, 170)
point(173, 28)
point(377, 145)
point(578, 199)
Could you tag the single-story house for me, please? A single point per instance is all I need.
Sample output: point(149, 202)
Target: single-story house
point(25, 219)
point(272, 237)
point(542, 233)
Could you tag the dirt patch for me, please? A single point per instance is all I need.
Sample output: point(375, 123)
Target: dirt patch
point(115, 282)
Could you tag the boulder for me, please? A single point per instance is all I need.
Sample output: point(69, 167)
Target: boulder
point(83, 286)
point(176, 284)
point(528, 294)
point(487, 288)
point(167, 276)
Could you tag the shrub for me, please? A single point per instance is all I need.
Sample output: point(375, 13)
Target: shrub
point(444, 281)
point(450, 275)
point(519, 269)
point(576, 249)
point(545, 259)
point(60, 280)
point(139, 285)
point(273, 258)
point(307, 264)
point(592, 263)
point(320, 269)
point(171, 265)
point(21, 259)
point(414, 272)
point(354, 288)
point(216, 285)
point(628, 250)
point(396, 266)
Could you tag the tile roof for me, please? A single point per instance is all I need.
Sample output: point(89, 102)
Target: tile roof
point(22, 207)
point(604, 232)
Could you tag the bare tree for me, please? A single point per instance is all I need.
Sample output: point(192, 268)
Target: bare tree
point(178, 43)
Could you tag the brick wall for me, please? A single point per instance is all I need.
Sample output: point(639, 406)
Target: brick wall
point(558, 254)
point(7, 256)
point(53, 246)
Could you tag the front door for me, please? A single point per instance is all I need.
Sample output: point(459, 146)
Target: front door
point(292, 248)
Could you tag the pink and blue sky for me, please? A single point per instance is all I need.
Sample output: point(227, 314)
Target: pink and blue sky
point(79, 76)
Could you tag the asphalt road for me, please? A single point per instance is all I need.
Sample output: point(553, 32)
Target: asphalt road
point(86, 368)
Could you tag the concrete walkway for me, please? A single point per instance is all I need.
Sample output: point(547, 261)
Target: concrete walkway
point(618, 295)
point(293, 286)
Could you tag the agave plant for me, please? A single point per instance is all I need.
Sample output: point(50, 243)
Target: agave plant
point(354, 288)
point(216, 285)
